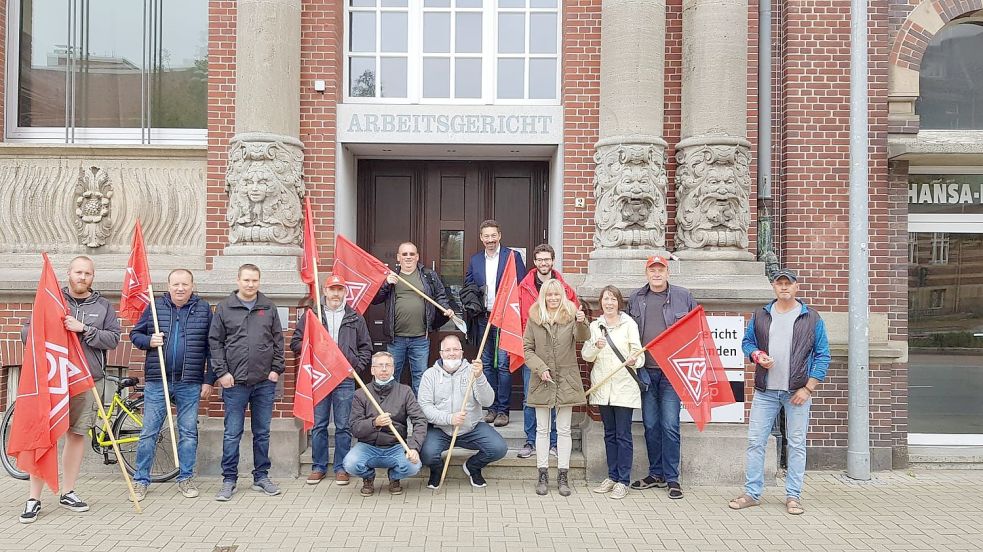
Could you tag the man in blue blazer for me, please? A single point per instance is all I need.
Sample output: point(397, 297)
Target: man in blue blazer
point(485, 271)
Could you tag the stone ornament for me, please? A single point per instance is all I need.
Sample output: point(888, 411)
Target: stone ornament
point(630, 192)
point(265, 183)
point(93, 200)
point(713, 183)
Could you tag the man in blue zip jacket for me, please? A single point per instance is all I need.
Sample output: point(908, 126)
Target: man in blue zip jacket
point(787, 342)
point(184, 318)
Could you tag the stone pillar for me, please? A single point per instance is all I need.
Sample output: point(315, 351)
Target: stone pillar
point(713, 179)
point(264, 178)
point(629, 177)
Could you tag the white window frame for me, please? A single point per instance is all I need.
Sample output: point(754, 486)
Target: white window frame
point(87, 135)
point(488, 55)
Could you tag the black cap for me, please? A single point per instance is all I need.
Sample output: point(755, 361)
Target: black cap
point(785, 273)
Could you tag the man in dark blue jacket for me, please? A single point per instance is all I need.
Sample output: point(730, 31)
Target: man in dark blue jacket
point(184, 318)
point(787, 342)
point(485, 270)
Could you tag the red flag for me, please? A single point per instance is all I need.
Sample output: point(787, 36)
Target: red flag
point(53, 371)
point(688, 357)
point(133, 298)
point(363, 273)
point(308, 266)
point(321, 368)
point(505, 316)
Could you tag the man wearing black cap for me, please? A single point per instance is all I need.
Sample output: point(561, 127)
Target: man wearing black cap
point(787, 342)
point(654, 308)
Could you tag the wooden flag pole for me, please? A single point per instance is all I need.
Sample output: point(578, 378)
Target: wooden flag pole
point(464, 406)
point(119, 457)
point(426, 297)
point(605, 379)
point(163, 376)
point(378, 408)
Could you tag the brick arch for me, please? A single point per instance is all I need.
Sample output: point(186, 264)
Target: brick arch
point(912, 39)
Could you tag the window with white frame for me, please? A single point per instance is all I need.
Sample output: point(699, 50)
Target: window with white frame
point(109, 71)
point(453, 51)
point(940, 248)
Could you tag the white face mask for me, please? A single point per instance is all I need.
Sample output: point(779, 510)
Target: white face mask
point(383, 383)
point(452, 364)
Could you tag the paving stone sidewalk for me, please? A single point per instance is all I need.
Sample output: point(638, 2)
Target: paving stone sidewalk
point(898, 511)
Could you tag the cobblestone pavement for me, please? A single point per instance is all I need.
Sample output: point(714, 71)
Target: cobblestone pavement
point(898, 511)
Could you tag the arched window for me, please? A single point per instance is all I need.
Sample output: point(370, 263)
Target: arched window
point(951, 79)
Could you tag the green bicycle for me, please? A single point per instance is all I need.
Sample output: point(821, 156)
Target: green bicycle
point(127, 418)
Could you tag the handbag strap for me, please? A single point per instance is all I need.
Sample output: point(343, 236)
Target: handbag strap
point(617, 353)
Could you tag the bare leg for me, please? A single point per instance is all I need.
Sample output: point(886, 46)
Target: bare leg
point(72, 459)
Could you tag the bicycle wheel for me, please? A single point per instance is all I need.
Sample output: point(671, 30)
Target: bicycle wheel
point(128, 430)
point(9, 462)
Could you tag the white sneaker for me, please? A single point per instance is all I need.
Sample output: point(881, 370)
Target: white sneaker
point(606, 486)
point(620, 491)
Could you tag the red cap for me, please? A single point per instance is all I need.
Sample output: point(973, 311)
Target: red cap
point(334, 280)
point(657, 259)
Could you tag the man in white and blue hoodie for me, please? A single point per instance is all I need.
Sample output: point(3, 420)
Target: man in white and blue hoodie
point(442, 392)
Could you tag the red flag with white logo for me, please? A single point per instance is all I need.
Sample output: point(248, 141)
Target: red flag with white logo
point(322, 366)
point(133, 298)
point(53, 371)
point(308, 265)
point(363, 273)
point(688, 357)
point(505, 316)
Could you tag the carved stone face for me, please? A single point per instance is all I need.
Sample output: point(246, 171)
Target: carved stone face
point(721, 183)
point(258, 182)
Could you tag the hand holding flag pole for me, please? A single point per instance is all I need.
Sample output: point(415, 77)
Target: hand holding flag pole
point(628, 362)
point(461, 326)
point(163, 376)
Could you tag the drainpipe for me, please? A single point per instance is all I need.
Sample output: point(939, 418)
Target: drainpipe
point(766, 248)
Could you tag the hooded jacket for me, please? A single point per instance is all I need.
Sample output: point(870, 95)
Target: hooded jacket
point(246, 343)
point(528, 293)
point(621, 389)
point(441, 395)
point(185, 331)
point(553, 346)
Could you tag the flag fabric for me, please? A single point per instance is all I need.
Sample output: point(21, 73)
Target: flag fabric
point(308, 265)
point(363, 273)
point(133, 297)
point(54, 370)
point(688, 357)
point(505, 316)
point(321, 368)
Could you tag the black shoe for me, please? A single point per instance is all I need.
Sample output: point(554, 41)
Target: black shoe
point(434, 481)
point(648, 482)
point(475, 476)
point(31, 511)
point(675, 491)
point(71, 501)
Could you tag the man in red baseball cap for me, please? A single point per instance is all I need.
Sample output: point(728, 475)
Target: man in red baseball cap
point(348, 329)
point(654, 308)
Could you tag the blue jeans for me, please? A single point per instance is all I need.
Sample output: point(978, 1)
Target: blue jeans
point(660, 416)
point(340, 400)
point(496, 366)
point(483, 438)
point(617, 442)
point(529, 413)
point(259, 399)
point(363, 459)
point(186, 397)
point(764, 409)
point(416, 351)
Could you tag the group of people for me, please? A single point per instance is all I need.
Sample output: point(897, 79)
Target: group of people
point(240, 347)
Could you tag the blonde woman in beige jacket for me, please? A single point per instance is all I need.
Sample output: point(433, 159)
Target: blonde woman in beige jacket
point(619, 394)
point(550, 344)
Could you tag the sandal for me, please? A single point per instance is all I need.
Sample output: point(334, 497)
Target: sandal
point(741, 502)
point(648, 482)
point(793, 506)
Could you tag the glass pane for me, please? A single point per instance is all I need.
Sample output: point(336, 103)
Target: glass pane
point(542, 33)
point(363, 3)
point(394, 30)
point(393, 3)
point(511, 78)
point(392, 77)
point(468, 3)
point(437, 3)
point(511, 3)
point(945, 193)
point(467, 78)
point(511, 33)
point(467, 38)
point(436, 33)
point(436, 77)
point(542, 3)
point(951, 80)
point(361, 73)
point(180, 82)
point(945, 337)
point(362, 32)
point(43, 57)
point(542, 79)
point(452, 256)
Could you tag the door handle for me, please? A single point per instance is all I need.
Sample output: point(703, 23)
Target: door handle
point(433, 265)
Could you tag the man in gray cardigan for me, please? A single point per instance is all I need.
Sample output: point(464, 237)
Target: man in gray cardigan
point(442, 393)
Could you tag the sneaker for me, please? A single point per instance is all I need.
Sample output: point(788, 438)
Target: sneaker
point(188, 488)
point(140, 491)
point(527, 450)
point(606, 486)
point(31, 511)
point(475, 476)
point(266, 486)
point(71, 501)
point(553, 451)
point(395, 488)
point(675, 491)
point(315, 477)
point(489, 417)
point(368, 487)
point(434, 481)
point(620, 491)
point(225, 493)
point(341, 478)
point(501, 419)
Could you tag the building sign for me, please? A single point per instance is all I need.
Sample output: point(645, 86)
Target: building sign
point(727, 333)
point(449, 124)
point(945, 193)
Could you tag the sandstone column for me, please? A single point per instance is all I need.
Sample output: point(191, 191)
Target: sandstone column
point(713, 181)
point(629, 178)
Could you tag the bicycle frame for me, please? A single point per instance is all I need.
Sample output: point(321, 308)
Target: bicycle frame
point(102, 439)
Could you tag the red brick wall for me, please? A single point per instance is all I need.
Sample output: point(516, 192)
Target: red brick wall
point(221, 120)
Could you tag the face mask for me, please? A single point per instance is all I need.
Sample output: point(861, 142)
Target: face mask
point(383, 383)
point(451, 365)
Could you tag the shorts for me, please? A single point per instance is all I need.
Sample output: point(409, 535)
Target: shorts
point(82, 413)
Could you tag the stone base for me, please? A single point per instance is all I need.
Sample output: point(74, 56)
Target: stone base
point(623, 268)
point(286, 444)
point(280, 274)
point(834, 458)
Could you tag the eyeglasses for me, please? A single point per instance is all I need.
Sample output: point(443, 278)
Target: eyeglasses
point(451, 350)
